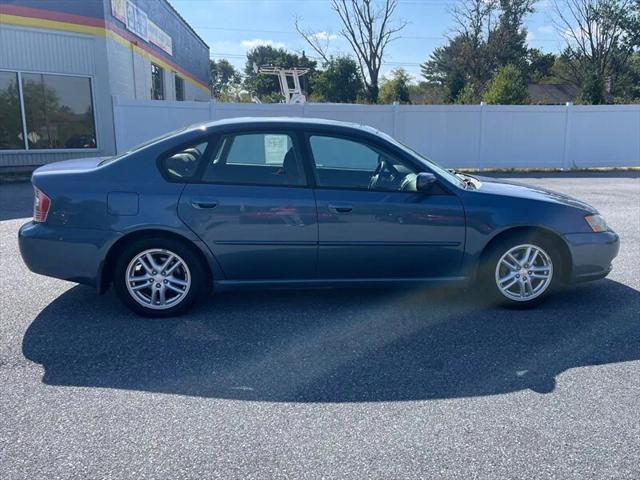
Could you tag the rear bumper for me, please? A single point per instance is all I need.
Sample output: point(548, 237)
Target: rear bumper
point(73, 254)
point(592, 254)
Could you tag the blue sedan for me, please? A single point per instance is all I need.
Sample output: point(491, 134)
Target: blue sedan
point(300, 203)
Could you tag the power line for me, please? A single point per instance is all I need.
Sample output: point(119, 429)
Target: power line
point(291, 32)
point(214, 55)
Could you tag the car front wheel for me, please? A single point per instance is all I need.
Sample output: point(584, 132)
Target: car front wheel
point(159, 277)
point(521, 272)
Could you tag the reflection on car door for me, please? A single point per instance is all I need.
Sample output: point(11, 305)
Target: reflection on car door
point(377, 231)
point(253, 208)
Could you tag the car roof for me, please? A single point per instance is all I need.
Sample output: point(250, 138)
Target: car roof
point(284, 121)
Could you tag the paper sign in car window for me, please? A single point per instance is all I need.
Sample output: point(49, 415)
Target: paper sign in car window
point(275, 148)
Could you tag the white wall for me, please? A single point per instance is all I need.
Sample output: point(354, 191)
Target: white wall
point(453, 135)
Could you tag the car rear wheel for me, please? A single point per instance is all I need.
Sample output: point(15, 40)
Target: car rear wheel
point(521, 271)
point(159, 277)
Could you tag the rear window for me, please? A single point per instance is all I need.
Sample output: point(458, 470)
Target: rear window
point(139, 147)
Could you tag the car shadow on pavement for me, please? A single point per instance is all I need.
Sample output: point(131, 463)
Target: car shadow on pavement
point(335, 345)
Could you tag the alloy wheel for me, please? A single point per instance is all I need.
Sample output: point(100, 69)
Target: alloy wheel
point(524, 272)
point(158, 279)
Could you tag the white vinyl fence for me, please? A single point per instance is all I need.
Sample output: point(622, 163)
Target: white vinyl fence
point(462, 136)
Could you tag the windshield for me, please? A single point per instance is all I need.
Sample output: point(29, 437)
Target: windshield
point(142, 145)
point(444, 173)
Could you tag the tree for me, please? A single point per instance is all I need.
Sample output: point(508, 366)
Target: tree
point(366, 25)
point(489, 34)
point(594, 31)
point(469, 95)
point(474, 24)
point(423, 93)
point(507, 87)
point(465, 59)
point(339, 82)
point(539, 65)
point(397, 88)
point(446, 68)
point(266, 87)
point(223, 76)
point(507, 43)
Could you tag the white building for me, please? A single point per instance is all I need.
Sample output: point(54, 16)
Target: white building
point(61, 63)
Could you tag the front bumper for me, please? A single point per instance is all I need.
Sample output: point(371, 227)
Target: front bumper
point(592, 254)
point(73, 254)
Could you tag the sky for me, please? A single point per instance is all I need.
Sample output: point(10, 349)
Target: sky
point(231, 27)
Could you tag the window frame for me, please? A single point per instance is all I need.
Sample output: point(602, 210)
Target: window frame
point(441, 190)
point(26, 148)
point(162, 82)
point(23, 119)
point(178, 79)
point(217, 140)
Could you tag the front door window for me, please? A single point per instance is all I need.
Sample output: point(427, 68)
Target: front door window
point(344, 163)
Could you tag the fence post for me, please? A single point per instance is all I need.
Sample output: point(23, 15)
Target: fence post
point(480, 139)
point(567, 129)
point(394, 117)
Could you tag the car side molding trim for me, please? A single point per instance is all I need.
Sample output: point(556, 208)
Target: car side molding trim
point(339, 244)
point(390, 244)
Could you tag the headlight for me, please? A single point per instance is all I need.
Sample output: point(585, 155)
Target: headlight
point(597, 223)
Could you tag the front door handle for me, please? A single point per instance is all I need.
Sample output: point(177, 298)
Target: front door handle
point(200, 203)
point(340, 208)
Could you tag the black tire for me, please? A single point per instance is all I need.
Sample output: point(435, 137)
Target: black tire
point(487, 272)
point(198, 273)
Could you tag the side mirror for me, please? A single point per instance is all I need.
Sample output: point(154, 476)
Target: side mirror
point(425, 181)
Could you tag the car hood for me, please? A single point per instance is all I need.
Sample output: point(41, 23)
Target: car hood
point(519, 190)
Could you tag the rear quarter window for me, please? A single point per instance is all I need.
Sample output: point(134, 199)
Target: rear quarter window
point(183, 164)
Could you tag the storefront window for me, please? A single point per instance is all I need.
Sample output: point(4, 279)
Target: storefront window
point(179, 88)
point(58, 111)
point(157, 82)
point(10, 119)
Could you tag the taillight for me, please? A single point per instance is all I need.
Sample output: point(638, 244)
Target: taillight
point(41, 206)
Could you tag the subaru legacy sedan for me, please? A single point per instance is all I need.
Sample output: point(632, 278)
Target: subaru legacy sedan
point(300, 203)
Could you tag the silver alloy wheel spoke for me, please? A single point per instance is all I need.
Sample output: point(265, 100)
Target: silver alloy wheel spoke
point(539, 269)
point(147, 268)
point(524, 272)
point(511, 261)
point(528, 289)
point(175, 289)
point(151, 261)
point(172, 268)
point(177, 281)
point(169, 259)
point(158, 279)
point(539, 275)
point(140, 287)
point(521, 287)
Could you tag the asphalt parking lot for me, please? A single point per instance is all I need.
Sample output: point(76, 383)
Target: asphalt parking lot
point(325, 384)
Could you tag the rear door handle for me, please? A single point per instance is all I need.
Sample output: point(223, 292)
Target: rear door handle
point(201, 203)
point(340, 208)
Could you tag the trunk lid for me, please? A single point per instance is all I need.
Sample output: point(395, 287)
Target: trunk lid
point(77, 165)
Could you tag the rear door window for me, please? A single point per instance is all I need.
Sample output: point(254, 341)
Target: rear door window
point(256, 159)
